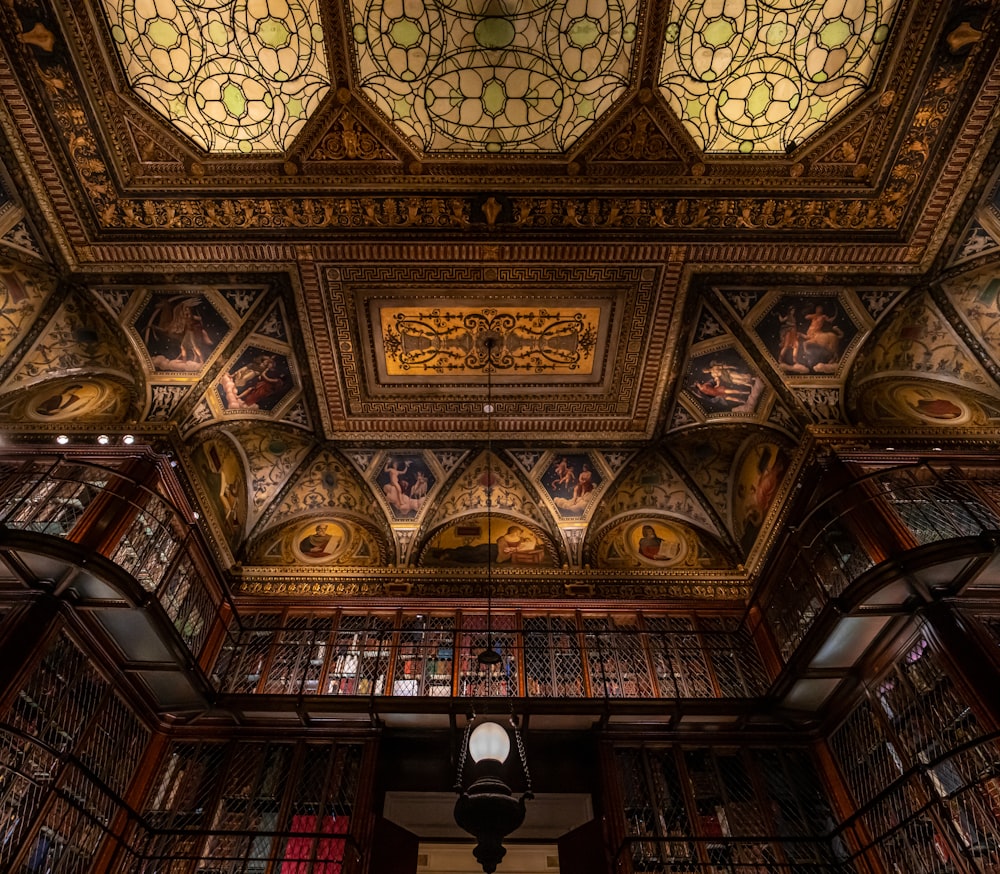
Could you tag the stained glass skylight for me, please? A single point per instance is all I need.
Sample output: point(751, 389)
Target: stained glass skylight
point(494, 75)
point(235, 76)
point(762, 75)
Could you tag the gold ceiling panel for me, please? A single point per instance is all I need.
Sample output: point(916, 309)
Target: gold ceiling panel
point(581, 347)
point(446, 340)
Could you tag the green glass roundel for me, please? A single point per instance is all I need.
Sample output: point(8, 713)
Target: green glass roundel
point(236, 76)
point(518, 76)
point(754, 76)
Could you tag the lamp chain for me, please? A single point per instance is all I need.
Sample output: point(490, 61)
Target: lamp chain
point(464, 752)
point(490, 342)
point(520, 751)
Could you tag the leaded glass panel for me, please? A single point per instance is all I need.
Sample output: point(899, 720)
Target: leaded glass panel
point(758, 76)
point(492, 77)
point(236, 76)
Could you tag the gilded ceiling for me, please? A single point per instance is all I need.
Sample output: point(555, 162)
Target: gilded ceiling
point(273, 236)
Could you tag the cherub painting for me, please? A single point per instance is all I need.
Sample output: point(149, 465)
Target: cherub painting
point(570, 480)
point(405, 481)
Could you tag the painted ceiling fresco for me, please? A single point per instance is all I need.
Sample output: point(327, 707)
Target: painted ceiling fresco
point(274, 236)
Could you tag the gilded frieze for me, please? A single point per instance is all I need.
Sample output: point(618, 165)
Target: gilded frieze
point(976, 297)
point(651, 485)
point(271, 456)
point(23, 291)
point(886, 210)
point(917, 339)
point(520, 590)
point(75, 340)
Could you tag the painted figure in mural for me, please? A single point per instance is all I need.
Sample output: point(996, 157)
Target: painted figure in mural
point(652, 546)
point(564, 474)
point(510, 542)
point(729, 376)
point(243, 376)
point(757, 488)
point(177, 320)
point(420, 486)
point(398, 491)
point(315, 545)
point(576, 493)
point(788, 353)
point(61, 402)
point(821, 341)
point(518, 546)
point(584, 483)
point(257, 381)
point(266, 385)
point(728, 383)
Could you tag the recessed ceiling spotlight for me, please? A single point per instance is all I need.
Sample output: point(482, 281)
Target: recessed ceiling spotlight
point(128, 439)
point(62, 439)
point(104, 440)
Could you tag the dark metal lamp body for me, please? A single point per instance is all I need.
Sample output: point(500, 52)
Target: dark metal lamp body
point(489, 812)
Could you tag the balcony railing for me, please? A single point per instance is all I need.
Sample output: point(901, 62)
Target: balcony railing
point(400, 654)
point(929, 506)
point(159, 548)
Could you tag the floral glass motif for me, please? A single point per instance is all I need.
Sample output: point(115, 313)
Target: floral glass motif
point(762, 75)
point(236, 76)
point(485, 75)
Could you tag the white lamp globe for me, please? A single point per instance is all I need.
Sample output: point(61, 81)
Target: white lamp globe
point(489, 741)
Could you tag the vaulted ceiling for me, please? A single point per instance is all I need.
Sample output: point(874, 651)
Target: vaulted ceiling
point(273, 235)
